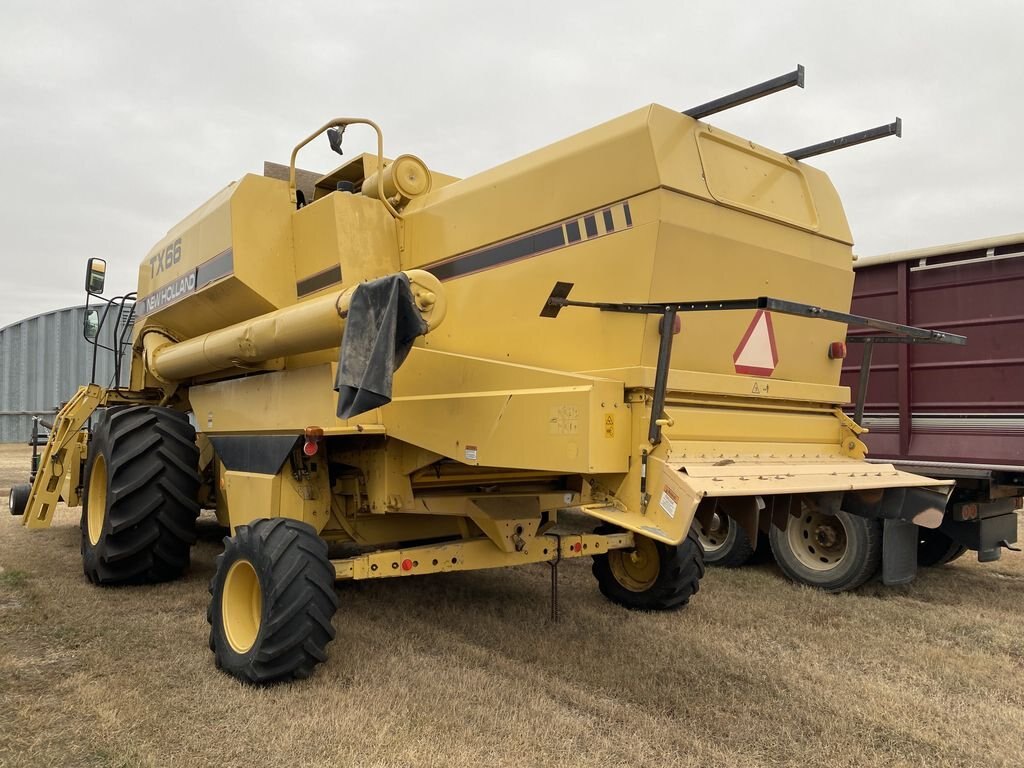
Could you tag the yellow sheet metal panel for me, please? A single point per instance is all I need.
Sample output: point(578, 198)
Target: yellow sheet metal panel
point(670, 503)
point(229, 261)
point(282, 401)
point(744, 176)
point(767, 478)
point(601, 165)
point(707, 252)
point(696, 423)
point(699, 382)
point(341, 240)
point(491, 413)
point(498, 309)
point(250, 496)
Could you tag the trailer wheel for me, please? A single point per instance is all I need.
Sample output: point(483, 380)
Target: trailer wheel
point(140, 498)
point(18, 498)
point(652, 576)
point(725, 542)
point(272, 602)
point(831, 552)
point(935, 548)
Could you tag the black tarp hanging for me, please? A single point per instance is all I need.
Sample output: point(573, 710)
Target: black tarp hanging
point(383, 322)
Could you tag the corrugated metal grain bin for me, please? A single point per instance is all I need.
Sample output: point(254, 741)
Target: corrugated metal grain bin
point(43, 360)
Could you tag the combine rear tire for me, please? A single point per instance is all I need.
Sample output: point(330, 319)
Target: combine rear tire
point(936, 548)
point(18, 499)
point(140, 501)
point(272, 602)
point(652, 576)
point(725, 543)
point(831, 552)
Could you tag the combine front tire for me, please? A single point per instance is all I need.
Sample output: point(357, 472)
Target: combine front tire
point(18, 499)
point(831, 552)
point(140, 500)
point(652, 576)
point(272, 602)
point(725, 542)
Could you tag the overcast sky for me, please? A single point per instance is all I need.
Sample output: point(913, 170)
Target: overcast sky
point(117, 119)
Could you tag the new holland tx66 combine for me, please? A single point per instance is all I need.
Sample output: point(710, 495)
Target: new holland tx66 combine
point(643, 323)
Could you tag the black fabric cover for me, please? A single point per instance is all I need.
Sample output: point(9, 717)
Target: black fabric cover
point(382, 324)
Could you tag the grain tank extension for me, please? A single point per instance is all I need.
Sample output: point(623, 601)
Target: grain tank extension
point(384, 372)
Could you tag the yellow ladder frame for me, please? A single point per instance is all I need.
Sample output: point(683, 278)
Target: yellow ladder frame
point(64, 441)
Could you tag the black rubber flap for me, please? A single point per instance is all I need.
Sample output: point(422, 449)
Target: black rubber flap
point(899, 552)
point(383, 322)
point(262, 454)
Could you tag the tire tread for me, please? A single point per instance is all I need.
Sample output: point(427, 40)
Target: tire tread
point(298, 606)
point(682, 568)
point(152, 499)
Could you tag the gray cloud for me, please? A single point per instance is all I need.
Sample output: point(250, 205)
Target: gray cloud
point(117, 119)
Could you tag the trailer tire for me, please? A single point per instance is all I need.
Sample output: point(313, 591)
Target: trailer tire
point(272, 601)
point(833, 553)
point(18, 498)
point(664, 578)
point(140, 500)
point(725, 544)
point(934, 548)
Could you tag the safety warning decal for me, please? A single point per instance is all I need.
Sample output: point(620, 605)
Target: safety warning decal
point(756, 353)
point(669, 501)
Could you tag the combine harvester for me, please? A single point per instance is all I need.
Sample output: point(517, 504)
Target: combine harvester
point(644, 323)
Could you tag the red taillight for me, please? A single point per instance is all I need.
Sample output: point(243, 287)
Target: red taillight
point(837, 350)
point(313, 437)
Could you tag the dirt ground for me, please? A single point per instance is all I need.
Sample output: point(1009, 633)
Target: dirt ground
point(464, 669)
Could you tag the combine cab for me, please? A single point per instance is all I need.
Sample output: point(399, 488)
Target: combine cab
point(644, 323)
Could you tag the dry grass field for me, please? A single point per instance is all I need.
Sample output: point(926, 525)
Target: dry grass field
point(464, 669)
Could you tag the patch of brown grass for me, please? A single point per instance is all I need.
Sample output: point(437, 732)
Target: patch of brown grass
point(464, 669)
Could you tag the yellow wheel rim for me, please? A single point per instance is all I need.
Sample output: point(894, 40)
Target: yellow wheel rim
point(242, 606)
point(636, 569)
point(97, 499)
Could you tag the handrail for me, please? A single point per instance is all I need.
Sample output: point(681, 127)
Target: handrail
point(342, 122)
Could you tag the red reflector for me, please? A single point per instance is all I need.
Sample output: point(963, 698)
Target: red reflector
point(677, 325)
point(837, 350)
point(577, 547)
point(407, 565)
point(310, 448)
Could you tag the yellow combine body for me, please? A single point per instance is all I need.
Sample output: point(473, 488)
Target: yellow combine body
point(513, 404)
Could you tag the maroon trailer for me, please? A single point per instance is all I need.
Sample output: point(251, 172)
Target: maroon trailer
point(947, 411)
point(936, 409)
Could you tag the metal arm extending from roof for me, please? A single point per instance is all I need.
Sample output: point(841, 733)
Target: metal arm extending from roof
point(768, 87)
point(850, 140)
